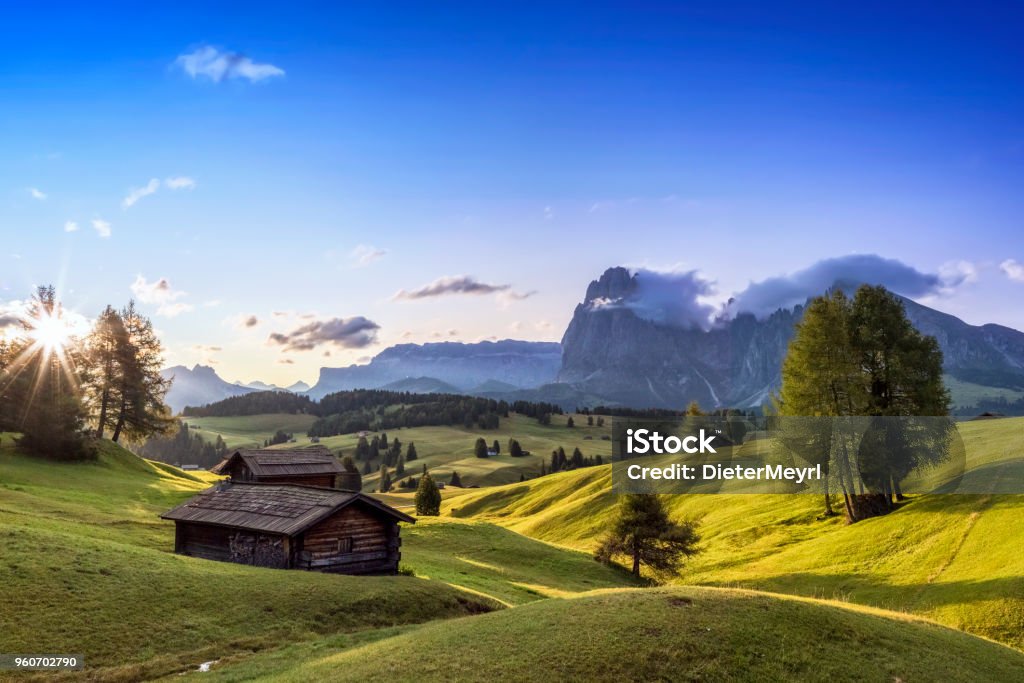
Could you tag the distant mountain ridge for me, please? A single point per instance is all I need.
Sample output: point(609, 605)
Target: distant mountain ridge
point(610, 355)
point(519, 364)
point(610, 351)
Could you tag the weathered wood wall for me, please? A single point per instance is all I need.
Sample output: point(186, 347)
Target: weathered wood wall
point(374, 544)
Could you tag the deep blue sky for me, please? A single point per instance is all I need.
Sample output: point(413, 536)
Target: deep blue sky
point(531, 146)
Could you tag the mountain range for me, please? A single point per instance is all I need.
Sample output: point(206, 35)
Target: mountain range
point(612, 354)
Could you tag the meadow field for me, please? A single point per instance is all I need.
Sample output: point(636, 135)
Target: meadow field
point(503, 582)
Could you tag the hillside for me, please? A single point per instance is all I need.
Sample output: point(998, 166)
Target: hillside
point(952, 558)
point(441, 449)
point(657, 634)
point(86, 556)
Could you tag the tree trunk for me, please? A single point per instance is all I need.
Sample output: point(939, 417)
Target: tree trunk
point(896, 488)
point(828, 500)
point(636, 559)
point(120, 422)
point(103, 413)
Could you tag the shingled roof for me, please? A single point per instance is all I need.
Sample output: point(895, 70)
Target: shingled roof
point(285, 509)
point(297, 461)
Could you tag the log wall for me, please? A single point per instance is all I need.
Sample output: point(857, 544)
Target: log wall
point(353, 541)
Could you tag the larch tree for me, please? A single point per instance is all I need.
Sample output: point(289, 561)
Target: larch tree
point(142, 411)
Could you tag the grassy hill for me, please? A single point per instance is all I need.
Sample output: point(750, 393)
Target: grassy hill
point(442, 449)
point(953, 558)
point(657, 634)
point(87, 566)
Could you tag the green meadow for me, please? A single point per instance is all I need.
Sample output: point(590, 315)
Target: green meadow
point(441, 449)
point(503, 584)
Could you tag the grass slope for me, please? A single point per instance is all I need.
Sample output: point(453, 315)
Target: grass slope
point(442, 449)
point(655, 634)
point(955, 559)
point(87, 567)
point(251, 431)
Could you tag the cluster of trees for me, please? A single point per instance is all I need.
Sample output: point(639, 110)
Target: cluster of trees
point(280, 436)
point(374, 410)
point(184, 447)
point(861, 356)
point(63, 393)
point(996, 405)
point(560, 463)
point(256, 403)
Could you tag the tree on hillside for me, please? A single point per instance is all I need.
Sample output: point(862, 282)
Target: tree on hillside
point(105, 355)
point(428, 498)
point(514, 449)
point(643, 532)
point(400, 467)
point(350, 466)
point(362, 449)
point(480, 448)
point(385, 480)
point(496, 447)
point(39, 384)
point(142, 411)
point(863, 358)
point(570, 423)
point(455, 480)
point(590, 420)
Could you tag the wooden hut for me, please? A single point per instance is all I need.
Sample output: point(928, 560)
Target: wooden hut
point(314, 466)
point(290, 527)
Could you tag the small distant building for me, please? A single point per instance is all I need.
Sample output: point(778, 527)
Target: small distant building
point(315, 466)
point(284, 526)
point(491, 452)
point(190, 468)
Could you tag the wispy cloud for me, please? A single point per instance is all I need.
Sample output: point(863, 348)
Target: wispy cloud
point(37, 193)
point(102, 227)
point(458, 284)
point(365, 254)
point(348, 333)
point(181, 182)
point(137, 193)
point(70, 226)
point(217, 65)
point(162, 294)
point(1013, 269)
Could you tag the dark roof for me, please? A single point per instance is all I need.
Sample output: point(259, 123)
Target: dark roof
point(285, 509)
point(297, 461)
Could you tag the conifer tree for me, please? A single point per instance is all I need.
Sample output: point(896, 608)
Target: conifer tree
point(428, 498)
point(644, 533)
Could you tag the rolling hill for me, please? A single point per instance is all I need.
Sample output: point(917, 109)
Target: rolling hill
point(692, 634)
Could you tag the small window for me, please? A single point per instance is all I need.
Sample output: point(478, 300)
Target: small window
point(345, 545)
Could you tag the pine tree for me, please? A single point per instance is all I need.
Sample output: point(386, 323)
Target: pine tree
point(643, 532)
point(410, 452)
point(142, 411)
point(428, 498)
point(496, 447)
point(385, 480)
point(570, 423)
point(480, 448)
point(400, 467)
point(455, 480)
point(104, 355)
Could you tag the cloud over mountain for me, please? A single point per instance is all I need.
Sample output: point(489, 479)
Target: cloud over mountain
point(452, 284)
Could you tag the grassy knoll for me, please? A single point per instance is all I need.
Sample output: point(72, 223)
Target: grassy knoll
point(442, 449)
point(87, 567)
point(489, 560)
point(654, 634)
point(250, 431)
point(955, 559)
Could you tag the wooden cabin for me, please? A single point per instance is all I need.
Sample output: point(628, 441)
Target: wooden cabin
point(314, 466)
point(285, 526)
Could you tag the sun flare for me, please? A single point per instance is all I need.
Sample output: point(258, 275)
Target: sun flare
point(51, 332)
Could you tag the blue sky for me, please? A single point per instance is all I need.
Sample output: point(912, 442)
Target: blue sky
point(368, 149)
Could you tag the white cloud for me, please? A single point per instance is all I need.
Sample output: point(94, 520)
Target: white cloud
point(180, 182)
point(365, 254)
point(218, 65)
point(37, 193)
point(1013, 269)
point(162, 294)
point(137, 193)
point(70, 226)
point(102, 227)
point(955, 273)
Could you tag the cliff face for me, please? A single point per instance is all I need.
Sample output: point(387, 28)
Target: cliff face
point(610, 351)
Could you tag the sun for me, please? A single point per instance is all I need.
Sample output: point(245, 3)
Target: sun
point(51, 332)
